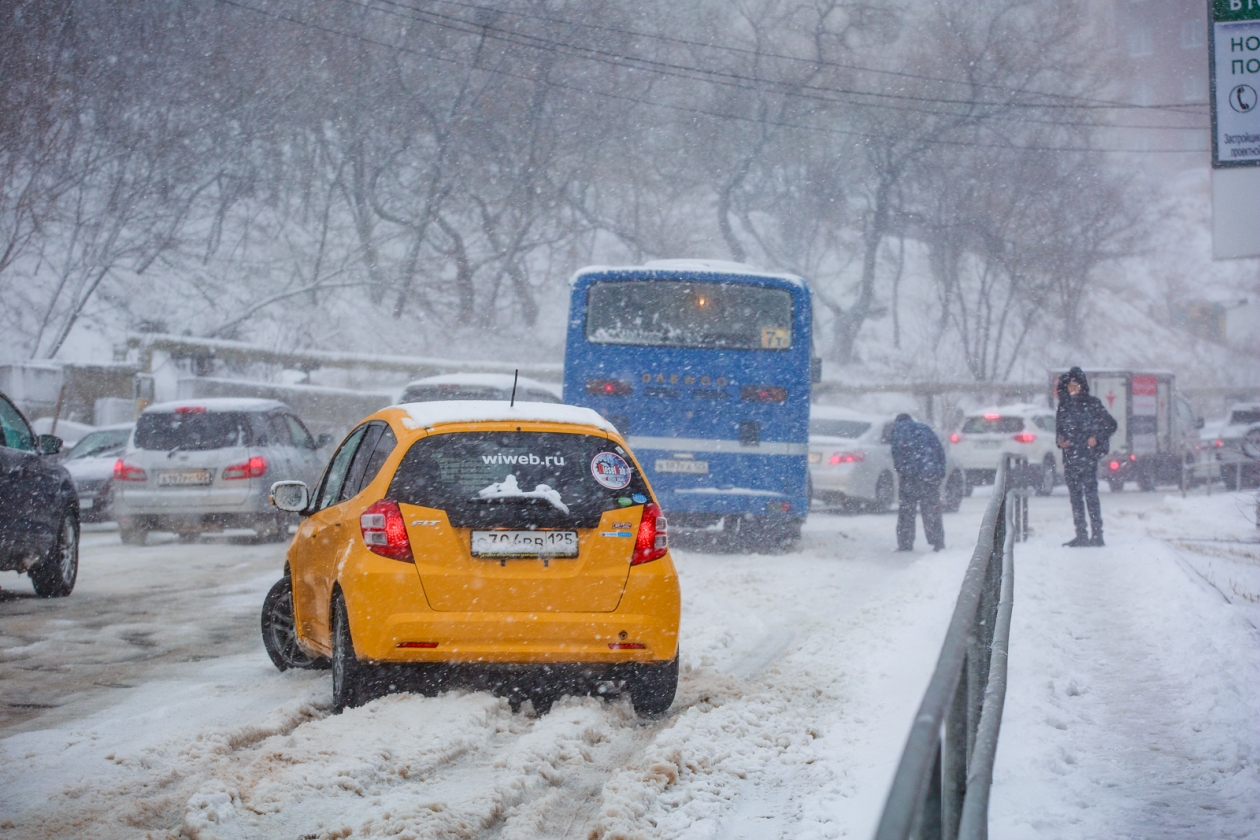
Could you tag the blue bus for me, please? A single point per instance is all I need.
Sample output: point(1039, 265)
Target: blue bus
point(706, 367)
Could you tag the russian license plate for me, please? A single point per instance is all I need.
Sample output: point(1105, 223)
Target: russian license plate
point(524, 544)
point(682, 465)
point(184, 478)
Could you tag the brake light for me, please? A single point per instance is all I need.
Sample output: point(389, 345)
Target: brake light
point(1115, 465)
point(384, 531)
point(1024, 437)
point(1132, 457)
point(255, 467)
point(955, 438)
point(128, 472)
point(993, 417)
point(191, 409)
point(1219, 444)
point(848, 457)
point(608, 388)
point(763, 393)
point(653, 539)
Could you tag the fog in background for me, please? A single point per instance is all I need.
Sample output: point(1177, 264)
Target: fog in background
point(968, 186)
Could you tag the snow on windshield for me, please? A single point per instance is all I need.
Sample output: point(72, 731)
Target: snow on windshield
point(509, 489)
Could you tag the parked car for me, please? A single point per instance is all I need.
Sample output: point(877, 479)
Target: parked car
point(1237, 445)
point(521, 546)
point(851, 465)
point(478, 386)
point(90, 463)
point(204, 465)
point(1024, 429)
point(39, 511)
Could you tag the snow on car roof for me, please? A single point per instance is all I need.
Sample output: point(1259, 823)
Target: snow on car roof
point(693, 266)
point(1012, 409)
point(835, 412)
point(216, 404)
point(487, 380)
point(428, 414)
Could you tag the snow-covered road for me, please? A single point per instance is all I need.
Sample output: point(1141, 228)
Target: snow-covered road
point(144, 706)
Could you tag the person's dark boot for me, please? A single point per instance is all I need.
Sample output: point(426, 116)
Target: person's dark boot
point(1097, 539)
point(1080, 541)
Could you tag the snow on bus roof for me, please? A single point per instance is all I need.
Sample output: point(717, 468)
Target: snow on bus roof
point(215, 404)
point(428, 414)
point(692, 266)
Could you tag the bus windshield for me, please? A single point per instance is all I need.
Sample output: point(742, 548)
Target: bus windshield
point(673, 313)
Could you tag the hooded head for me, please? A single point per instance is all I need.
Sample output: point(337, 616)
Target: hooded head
point(902, 418)
point(1074, 375)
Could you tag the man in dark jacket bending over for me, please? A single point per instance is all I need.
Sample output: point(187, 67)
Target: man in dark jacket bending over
point(919, 460)
point(1084, 429)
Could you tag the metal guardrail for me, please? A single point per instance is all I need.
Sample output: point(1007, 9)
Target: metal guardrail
point(941, 788)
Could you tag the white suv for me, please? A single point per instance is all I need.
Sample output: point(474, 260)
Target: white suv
point(1023, 429)
point(208, 464)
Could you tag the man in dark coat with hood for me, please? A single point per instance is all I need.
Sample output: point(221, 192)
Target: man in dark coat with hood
point(919, 460)
point(1084, 429)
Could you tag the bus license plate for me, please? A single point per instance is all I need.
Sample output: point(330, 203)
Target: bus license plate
point(185, 478)
point(681, 465)
point(524, 544)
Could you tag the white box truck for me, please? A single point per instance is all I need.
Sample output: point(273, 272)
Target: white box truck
point(1157, 432)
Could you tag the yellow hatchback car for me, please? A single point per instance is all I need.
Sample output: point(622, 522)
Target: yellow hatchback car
point(518, 547)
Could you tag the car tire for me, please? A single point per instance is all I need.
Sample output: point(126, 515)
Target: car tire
point(56, 572)
point(1047, 480)
point(133, 535)
point(280, 633)
point(885, 489)
point(351, 679)
point(1116, 485)
point(652, 687)
point(954, 490)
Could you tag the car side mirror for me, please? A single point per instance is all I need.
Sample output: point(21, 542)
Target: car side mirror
point(291, 496)
point(49, 444)
point(815, 369)
point(324, 440)
point(1198, 423)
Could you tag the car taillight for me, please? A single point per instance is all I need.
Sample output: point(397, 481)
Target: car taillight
point(384, 531)
point(763, 393)
point(1024, 437)
point(191, 409)
point(128, 472)
point(255, 467)
point(1115, 465)
point(955, 438)
point(608, 388)
point(848, 457)
point(1219, 444)
point(992, 417)
point(653, 539)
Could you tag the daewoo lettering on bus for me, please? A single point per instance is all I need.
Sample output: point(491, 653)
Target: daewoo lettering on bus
point(706, 368)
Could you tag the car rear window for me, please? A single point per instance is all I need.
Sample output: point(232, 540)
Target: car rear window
point(838, 428)
point(993, 425)
point(192, 430)
point(586, 474)
point(1244, 417)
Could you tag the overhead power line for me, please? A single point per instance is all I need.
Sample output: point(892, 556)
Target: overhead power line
point(739, 81)
point(1175, 107)
point(679, 108)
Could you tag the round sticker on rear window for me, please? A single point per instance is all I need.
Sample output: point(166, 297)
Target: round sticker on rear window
point(610, 470)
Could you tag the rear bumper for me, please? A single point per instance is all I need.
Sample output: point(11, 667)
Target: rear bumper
point(388, 610)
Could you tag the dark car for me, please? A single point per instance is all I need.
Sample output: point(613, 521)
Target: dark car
point(39, 509)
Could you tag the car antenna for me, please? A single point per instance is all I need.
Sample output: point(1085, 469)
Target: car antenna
point(515, 376)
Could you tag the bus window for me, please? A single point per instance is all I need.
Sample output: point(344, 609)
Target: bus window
point(667, 313)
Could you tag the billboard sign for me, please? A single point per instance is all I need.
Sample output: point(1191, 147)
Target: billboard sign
point(1234, 54)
